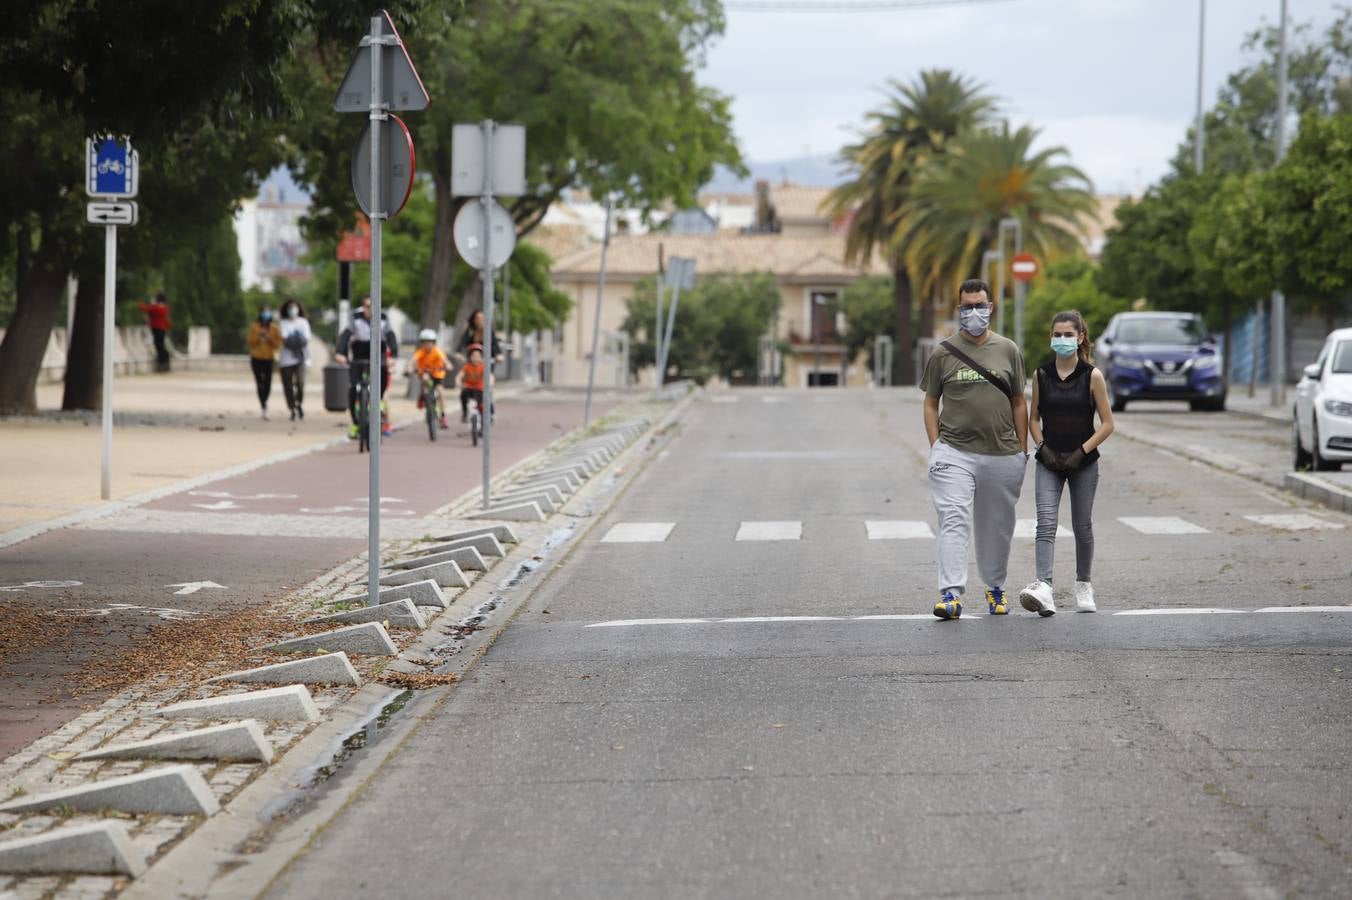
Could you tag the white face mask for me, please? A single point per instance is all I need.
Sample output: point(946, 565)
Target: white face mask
point(974, 321)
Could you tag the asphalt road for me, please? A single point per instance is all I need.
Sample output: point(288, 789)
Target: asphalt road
point(622, 738)
point(244, 541)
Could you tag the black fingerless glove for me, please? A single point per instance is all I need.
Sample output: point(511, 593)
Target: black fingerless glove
point(1074, 459)
point(1047, 456)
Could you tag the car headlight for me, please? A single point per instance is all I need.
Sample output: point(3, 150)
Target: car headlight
point(1206, 363)
point(1338, 407)
point(1126, 362)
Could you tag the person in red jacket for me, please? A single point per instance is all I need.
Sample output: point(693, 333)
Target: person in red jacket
point(157, 317)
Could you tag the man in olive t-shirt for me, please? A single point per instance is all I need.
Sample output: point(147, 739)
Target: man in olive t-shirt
point(978, 433)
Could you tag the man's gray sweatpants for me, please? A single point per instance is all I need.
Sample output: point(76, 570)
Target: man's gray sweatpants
point(967, 485)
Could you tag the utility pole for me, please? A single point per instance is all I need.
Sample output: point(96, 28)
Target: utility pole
point(1277, 340)
point(1199, 139)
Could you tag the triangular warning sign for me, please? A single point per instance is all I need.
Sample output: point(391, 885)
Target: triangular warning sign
point(400, 86)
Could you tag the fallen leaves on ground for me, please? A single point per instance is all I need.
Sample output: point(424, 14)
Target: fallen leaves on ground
point(417, 681)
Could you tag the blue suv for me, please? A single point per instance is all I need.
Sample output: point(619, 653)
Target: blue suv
point(1161, 356)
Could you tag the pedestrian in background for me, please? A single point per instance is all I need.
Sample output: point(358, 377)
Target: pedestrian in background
point(265, 339)
point(157, 317)
point(976, 418)
point(295, 355)
point(1067, 392)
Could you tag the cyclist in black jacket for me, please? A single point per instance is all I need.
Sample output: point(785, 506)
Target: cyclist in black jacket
point(354, 350)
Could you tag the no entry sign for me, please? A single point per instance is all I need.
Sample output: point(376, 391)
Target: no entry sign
point(1024, 267)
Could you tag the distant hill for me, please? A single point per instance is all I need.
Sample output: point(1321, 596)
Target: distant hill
point(814, 171)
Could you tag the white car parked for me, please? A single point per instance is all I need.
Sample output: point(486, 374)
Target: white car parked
point(1321, 435)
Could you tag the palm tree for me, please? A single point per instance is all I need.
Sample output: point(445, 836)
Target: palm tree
point(915, 126)
point(954, 206)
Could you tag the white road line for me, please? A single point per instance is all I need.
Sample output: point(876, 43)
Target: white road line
point(1181, 611)
point(898, 530)
point(638, 533)
point(770, 531)
point(1295, 522)
point(723, 399)
point(1161, 525)
point(1286, 609)
point(1027, 528)
point(623, 623)
point(744, 620)
point(773, 399)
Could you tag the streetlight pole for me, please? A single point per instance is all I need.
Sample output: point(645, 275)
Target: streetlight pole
point(1199, 138)
point(1015, 225)
point(1277, 340)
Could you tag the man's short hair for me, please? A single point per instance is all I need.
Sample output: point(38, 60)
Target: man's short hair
point(974, 286)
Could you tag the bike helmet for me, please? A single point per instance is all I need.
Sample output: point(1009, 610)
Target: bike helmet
point(427, 334)
point(472, 347)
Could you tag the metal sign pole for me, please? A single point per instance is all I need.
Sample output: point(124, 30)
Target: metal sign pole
point(671, 324)
point(1020, 287)
point(1277, 341)
point(596, 319)
point(657, 337)
point(376, 359)
point(109, 322)
point(487, 274)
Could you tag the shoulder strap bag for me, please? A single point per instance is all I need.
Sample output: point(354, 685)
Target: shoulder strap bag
point(980, 369)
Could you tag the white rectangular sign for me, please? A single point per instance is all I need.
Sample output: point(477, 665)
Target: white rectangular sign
point(509, 160)
point(109, 213)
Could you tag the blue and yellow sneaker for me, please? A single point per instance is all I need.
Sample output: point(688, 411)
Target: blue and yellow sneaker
point(352, 431)
point(949, 606)
point(995, 600)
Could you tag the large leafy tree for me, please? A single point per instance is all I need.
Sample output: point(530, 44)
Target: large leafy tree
point(957, 201)
point(606, 89)
point(916, 124)
point(198, 95)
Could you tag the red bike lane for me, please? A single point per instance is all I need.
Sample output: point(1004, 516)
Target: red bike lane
point(83, 594)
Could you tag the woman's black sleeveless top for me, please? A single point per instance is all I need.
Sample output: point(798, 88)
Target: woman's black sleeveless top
point(1066, 408)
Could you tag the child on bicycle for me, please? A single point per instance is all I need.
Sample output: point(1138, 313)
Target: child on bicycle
point(429, 362)
point(470, 380)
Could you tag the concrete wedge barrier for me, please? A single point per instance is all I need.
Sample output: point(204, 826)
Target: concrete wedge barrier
point(399, 613)
point(446, 574)
point(292, 703)
point(503, 533)
point(174, 790)
point(103, 848)
point(233, 742)
point(546, 504)
point(422, 593)
point(330, 668)
point(486, 544)
point(366, 639)
point(464, 557)
point(519, 512)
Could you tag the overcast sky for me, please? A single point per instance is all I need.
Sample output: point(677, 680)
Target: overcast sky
point(1114, 81)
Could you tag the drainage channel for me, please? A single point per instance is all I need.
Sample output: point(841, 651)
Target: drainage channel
point(317, 780)
point(444, 652)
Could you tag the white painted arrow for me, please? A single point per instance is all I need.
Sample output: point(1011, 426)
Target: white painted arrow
point(192, 587)
point(220, 504)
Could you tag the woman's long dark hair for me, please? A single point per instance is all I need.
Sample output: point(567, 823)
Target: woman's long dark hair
point(1085, 348)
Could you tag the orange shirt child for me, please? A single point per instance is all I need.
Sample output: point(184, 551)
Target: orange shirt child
point(472, 376)
point(431, 361)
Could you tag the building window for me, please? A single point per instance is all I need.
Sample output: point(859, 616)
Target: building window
point(822, 325)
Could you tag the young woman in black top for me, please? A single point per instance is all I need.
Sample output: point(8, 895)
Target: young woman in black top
point(1067, 392)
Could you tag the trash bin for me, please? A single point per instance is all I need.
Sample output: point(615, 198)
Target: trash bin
point(335, 387)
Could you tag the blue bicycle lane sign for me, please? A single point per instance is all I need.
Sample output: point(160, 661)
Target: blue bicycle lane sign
point(112, 168)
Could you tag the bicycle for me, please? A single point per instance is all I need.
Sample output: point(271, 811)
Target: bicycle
point(431, 407)
point(363, 411)
point(476, 420)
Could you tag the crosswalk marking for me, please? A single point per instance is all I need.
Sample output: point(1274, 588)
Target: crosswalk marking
point(1285, 609)
point(638, 533)
point(1294, 522)
point(898, 530)
point(927, 617)
point(723, 398)
point(771, 399)
point(1161, 525)
point(770, 531)
point(1027, 528)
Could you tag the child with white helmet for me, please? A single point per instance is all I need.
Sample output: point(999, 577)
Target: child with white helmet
point(429, 362)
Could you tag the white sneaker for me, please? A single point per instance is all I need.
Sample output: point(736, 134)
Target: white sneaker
point(1084, 597)
point(1037, 597)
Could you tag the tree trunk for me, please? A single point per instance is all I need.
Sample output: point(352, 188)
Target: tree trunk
point(84, 353)
point(21, 352)
point(470, 300)
point(903, 370)
point(441, 271)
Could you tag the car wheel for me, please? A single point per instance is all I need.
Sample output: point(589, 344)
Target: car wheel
point(1300, 457)
point(1115, 402)
point(1317, 461)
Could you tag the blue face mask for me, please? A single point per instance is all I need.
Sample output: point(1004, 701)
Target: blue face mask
point(1064, 346)
point(265, 316)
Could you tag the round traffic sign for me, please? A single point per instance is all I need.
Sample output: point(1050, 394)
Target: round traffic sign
point(468, 232)
point(398, 164)
point(1024, 267)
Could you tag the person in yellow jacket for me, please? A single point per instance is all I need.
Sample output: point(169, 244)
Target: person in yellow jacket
point(265, 339)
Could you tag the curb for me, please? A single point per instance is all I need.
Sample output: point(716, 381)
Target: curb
point(1312, 488)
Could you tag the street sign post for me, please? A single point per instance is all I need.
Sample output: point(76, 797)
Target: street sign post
point(1023, 268)
point(596, 319)
point(481, 169)
point(112, 173)
point(680, 275)
point(379, 80)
